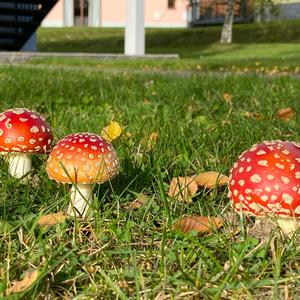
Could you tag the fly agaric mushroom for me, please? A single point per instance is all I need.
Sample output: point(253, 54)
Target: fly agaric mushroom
point(265, 181)
point(22, 133)
point(82, 159)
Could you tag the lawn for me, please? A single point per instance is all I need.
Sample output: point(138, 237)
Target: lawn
point(270, 48)
point(127, 253)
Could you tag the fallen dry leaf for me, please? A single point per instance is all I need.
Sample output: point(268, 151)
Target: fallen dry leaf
point(286, 114)
point(210, 179)
point(150, 140)
point(227, 97)
point(30, 278)
point(198, 223)
point(47, 221)
point(139, 202)
point(183, 188)
point(252, 115)
point(112, 131)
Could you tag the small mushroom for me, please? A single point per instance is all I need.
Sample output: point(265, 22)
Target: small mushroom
point(82, 159)
point(265, 181)
point(22, 133)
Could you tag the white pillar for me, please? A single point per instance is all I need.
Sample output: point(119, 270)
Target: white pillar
point(31, 44)
point(135, 28)
point(68, 13)
point(94, 13)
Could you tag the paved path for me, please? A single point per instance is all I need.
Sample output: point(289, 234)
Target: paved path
point(11, 56)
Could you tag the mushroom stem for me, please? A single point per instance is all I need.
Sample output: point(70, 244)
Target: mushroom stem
point(81, 199)
point(19, 164)
point(288, 225)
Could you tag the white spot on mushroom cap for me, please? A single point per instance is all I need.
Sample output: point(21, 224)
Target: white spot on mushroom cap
point(297, 175)
point(263, 163)
point(279, 166)
point(241, 182)
point(23, 120)
point(2, 117)
point(270, 177)
point(32, 141)
point(255, 178)
point(7, 141)
point(287, 198)
point(286, 152)
point(297, 210)
point(261, 152)
point(285, 180)
point(7, 124)
point(34, 129)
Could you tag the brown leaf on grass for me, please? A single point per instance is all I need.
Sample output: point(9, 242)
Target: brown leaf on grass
point(211, 179)
point(286, 114)
point(150, 141)
point(136, 204)
point(200, 224)
point(227, 98)
point(183, 188)
point(47, 221)
point(30, 278)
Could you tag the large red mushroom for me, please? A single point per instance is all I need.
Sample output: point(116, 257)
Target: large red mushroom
point(22, 133)
point(82, 159)
point(265, 181)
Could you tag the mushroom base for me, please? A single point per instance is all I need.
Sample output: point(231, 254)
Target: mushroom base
point(288, 225)
point(19, 164)
point(81, 199)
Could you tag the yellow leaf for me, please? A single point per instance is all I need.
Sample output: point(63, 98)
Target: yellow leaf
point(47, 221)
point(227, 97)
point(210, 179)
point(286, 114)
point(30, 278)
point(183, 188)
point(112, 131)
point(200, 224)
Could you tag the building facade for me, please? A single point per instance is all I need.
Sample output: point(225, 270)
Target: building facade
point(162, 13)
point(111, 13)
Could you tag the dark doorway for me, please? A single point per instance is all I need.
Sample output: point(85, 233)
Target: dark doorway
point(81, 12)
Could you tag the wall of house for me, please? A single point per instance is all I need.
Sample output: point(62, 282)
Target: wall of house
point(112, 14)
point(55, 17)
point(157, 13)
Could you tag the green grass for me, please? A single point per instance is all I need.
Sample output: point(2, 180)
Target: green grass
point(267, 47)
point(136, 254)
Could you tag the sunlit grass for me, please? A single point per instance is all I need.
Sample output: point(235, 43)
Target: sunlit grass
point(270, 48)
point(136, 254)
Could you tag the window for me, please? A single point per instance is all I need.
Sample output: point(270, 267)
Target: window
point(171, 4)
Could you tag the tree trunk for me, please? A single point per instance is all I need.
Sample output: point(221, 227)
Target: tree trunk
point(226, 35)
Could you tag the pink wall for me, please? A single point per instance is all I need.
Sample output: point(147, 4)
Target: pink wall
point(156, 13)
point(112, 12)
point(55, 18)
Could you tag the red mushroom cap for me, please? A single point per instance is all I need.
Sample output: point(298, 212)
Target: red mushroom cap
point(22, 130)
point(266, 179)
point(82, 158)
